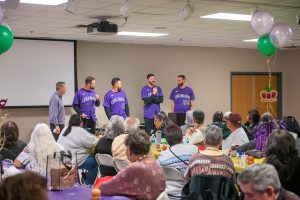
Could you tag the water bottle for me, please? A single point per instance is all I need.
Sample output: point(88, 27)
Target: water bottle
point(187, 140)
point(158, 137)
point(153, 139)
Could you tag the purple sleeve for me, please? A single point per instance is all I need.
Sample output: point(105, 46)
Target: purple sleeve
point(76, 99)
point(144, 93)
point(172, 95)
point(159, 92)
point(106, 100)
point(192, 95)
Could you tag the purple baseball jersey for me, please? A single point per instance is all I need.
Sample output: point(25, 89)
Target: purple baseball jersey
point(182, 99)
point(116, 102)
point(86, 99)
point(151, 109)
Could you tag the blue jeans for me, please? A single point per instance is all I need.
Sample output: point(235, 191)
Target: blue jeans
point(92, 166)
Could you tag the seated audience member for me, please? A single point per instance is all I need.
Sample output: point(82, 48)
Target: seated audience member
point(143, 178)
point(282, 154)
point(12, 146)
point(211, 161)
point(188, 122)
point(261, 182)
point(78, 141)
point(118, 147)
point(115, 128)
point(290, 124)
point(25, 186)
point(160, 122)
point(238, 136)
point(253, 118)
point(177, 156)
point(41, 145)
point(195, 133)
point(262, 131)
point(220, 120)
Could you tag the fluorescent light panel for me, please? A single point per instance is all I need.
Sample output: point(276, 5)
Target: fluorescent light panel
point(43, 2)
point(229, 16)
point(251, 40)
point(141, 34)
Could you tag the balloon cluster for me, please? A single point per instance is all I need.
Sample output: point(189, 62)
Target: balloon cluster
point(272, 36)
point(6, 35)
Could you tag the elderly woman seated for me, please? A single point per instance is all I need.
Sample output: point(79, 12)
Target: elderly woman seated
point(177, 156)
point(262, 131)
point(195, 133)
point(211, 161)
point(143, 178)
point(41, 145)
point(188, 121)
point(78, 141)
point(12, 146)
point(104, 146)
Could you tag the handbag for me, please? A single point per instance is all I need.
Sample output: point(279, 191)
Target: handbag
point(62, 175)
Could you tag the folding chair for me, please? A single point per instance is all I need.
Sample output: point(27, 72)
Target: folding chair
point(173, 175)
point(120, 164)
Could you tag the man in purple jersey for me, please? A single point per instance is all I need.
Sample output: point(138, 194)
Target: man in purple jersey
point(115, 100)
point(85, 101)
point(182, 97)
point(152, 96)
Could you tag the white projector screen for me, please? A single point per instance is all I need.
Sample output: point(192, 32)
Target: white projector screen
point(30, 69)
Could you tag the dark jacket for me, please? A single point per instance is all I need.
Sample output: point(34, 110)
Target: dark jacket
point(209, 187)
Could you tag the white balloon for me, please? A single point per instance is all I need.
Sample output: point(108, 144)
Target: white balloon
point(281, 35)
point(124, 9)
point(1, 14)
point(262, 22)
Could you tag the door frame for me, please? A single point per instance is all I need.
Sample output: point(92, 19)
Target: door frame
point(279, 88)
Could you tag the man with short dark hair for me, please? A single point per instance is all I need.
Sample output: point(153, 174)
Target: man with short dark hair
point(84, 103)
point(57, 110)
point(115, 100)
point(182, 97)
point(152, 96)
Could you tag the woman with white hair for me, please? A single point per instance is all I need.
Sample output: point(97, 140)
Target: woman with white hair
point(188, 121)
point(115, 128)
point(41, 145)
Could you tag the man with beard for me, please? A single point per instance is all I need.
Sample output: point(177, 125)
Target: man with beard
point(84, 103)
point(182, 97)
point(152, 96)
point(115, 100)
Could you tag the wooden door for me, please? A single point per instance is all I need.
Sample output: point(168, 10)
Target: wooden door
point(245, 93)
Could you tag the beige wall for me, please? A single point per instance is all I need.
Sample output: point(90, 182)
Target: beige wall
point(291, 69)
point(207, 69)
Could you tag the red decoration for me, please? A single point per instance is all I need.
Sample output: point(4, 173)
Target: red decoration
point(268, 96)
point(3, 103)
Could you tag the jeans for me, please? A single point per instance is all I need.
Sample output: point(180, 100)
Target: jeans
point(55, 135)
point(149, 125)
point(92, 167)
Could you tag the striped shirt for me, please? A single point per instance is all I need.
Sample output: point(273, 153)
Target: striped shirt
point(210, 165)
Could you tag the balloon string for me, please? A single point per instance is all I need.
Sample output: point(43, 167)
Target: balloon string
point(269, 69)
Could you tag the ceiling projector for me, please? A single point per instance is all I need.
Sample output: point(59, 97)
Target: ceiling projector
point(102, 27)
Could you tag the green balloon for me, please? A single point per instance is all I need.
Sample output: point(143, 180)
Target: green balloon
point(6, 39)
point(265, 46)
